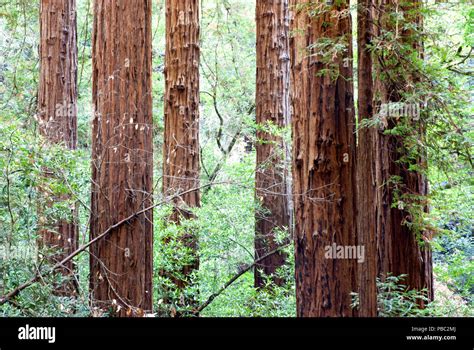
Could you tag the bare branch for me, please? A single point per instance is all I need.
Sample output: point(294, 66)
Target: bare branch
point(38, 276)
point(236, 277)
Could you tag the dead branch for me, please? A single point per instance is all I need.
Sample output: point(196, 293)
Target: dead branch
point(38, 275)
point(236, 277)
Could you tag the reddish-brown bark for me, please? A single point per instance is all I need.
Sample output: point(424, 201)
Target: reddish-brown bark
point(273, 109)
point(323, 162)
point(366, 164)
point(400, 250)
point(181, 162)
point(57, 111)
point(122, 156)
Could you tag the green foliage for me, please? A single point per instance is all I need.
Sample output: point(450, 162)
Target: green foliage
point(24, 188)
point(227, 88)
point(225, 223)
point(329, 52)
point(18, 59)
point(396, 300)
point(172, 254)
point(437, 81)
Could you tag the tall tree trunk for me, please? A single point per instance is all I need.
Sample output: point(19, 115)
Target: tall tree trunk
point(181, 166)
point(273, 109)
point(366, 164)
point(57, 104)
point(323, 159)
point(122, 156)
point(400, 250)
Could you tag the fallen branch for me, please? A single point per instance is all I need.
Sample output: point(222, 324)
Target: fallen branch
point(236, 277)
point(7, 297)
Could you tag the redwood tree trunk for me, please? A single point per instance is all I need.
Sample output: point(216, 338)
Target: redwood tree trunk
point(122, 156)
point(399, 248)
point(273, 109)
point(57, 110)
point(323, 161)
point(181, 166)
point(366, 164)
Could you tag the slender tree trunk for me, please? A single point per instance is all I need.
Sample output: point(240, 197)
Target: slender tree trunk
point(57, 104)
point(181, 166)
point(400, 250)
point(366, 164)
point(323, 159)
point(122, 156)
point(273, 109)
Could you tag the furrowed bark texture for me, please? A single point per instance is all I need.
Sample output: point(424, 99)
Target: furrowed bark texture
point(273, 109)
point(399, 248)
point(366, 164)
point(323, 161)
point(181, 166)
point(57, 111)
point(122, 164)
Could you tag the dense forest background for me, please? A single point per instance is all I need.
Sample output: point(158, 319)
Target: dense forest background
point(225, 221)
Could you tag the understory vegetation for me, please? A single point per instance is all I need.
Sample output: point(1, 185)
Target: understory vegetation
point(225, 221)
